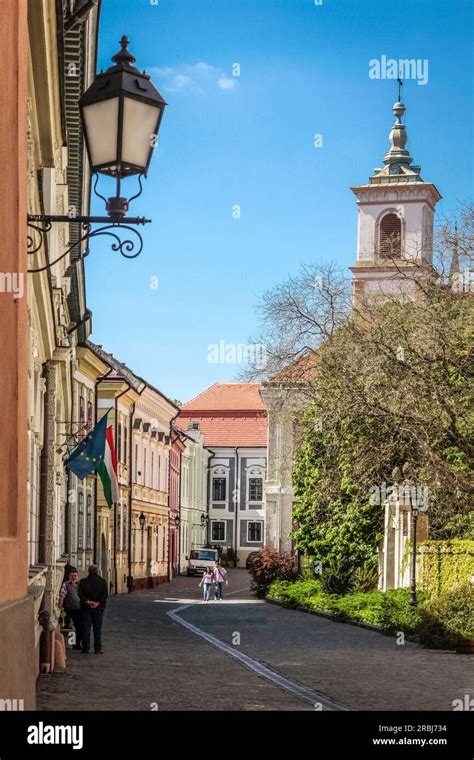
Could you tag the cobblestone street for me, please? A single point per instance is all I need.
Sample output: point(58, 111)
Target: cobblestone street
point(153, 662)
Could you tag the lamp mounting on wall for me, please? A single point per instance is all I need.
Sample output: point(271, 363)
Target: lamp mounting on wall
point(121, 115)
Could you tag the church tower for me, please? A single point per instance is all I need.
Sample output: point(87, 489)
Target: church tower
point(395, 222)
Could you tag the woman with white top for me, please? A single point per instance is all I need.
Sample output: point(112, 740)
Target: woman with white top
point(206, 581)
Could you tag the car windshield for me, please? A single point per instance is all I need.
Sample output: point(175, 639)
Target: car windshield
point(208, 554)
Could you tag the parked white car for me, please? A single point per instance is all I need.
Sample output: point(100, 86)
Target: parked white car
point(200, 559)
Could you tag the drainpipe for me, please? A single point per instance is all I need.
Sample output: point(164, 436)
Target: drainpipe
point(169, 573)
point(237, 503)
point(122, 393)
point(178, 543)
point(130, 454)
point(68, 544)
point(44, 471)
point(67, 516)
point(130, 494)
point(95, 516)
point(46, 621)
point(209, 486)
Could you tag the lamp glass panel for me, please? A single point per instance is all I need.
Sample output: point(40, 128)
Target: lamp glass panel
point(139, 125)
point(101, 123)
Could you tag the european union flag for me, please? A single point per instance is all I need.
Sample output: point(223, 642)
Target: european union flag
point(88, 455)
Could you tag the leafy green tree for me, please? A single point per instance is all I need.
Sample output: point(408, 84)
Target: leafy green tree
point(390, 385)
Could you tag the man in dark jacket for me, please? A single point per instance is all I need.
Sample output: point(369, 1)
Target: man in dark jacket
point(93, 595)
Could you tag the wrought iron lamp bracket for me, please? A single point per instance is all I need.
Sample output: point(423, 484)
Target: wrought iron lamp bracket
point(111, 226)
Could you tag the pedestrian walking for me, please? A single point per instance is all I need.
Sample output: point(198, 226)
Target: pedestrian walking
point(206, 582)
point(70, 603)
point(93, 594)
point(220, 578)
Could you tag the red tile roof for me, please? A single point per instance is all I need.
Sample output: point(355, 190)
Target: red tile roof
point(304, 368)
point(227, 397)
point(229, 414)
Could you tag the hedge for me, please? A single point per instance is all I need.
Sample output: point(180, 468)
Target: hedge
point(441, 622)
point(444, 565)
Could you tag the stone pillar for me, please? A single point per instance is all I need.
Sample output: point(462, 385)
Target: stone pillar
point(282, 405)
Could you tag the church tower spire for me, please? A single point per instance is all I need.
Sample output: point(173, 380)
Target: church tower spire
point(397, 160)
point(395, 221)
point(398, 155)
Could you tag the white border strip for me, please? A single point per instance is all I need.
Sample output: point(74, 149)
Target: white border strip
point(301, 692)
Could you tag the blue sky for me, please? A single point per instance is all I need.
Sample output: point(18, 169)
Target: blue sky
point(249, 140)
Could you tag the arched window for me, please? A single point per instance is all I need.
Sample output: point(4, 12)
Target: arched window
point(390, 235)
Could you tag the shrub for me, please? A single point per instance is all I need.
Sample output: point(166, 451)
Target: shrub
point(396, 613)
point(362, 607)
point(270, 565)
point(449, 619)
point(366, 578)
point(441, 623)
point(389, 610)
point(309, 593)
point(305, 593)
point(336, 577)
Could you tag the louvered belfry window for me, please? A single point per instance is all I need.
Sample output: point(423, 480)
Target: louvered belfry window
point(390, 237)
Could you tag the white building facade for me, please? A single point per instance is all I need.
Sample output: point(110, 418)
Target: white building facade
point(233, 421)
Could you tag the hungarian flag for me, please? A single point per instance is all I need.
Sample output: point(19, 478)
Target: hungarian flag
point(97, 452)
point(107, 470)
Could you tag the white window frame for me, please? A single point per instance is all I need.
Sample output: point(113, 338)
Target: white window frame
point(250, 502)
point(260, 522)
point(253, 472)
point(225, 530)
point(220, 471)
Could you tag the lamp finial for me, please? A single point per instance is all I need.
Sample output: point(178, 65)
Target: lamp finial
point(124, 56)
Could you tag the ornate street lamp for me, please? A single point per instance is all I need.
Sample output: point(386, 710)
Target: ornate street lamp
point(121, 113)
point(414, 521)
point(142, 520)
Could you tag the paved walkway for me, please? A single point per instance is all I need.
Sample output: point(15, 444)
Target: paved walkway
point(152, 662)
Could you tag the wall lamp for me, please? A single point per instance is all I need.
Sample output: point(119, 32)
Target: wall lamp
point(121, 115)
